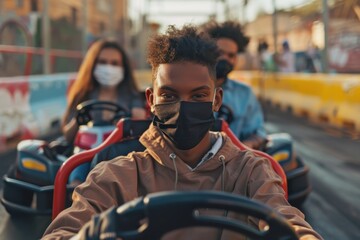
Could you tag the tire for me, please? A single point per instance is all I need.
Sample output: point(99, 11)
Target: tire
point(298, 184)
point(15, 194)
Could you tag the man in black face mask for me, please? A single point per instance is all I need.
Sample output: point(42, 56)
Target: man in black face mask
point(181, 152)
point(183, 99)
point(247, 120)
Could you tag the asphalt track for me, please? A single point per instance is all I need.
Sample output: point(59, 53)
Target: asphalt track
point(333, 156)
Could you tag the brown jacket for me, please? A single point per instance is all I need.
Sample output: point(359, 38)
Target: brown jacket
point(124, 178)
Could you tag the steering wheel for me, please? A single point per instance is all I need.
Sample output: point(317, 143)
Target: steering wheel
point(84, 110)
point(153, 216)
point(226, 113)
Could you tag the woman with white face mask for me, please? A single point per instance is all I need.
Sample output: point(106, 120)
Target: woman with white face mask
point(105, 75)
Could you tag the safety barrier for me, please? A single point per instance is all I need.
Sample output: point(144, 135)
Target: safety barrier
point(31, 106)
point(330, 98)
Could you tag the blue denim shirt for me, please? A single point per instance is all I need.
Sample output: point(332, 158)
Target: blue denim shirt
point(248, 116)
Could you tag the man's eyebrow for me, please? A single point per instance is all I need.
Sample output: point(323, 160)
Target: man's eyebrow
point(205, 87)
point(167, 88)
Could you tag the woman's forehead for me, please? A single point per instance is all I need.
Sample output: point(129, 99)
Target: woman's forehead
point(109, 53)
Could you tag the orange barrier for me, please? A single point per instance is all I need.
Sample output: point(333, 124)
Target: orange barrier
point(322, 97)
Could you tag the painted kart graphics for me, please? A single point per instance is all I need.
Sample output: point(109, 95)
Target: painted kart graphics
point(31, 106)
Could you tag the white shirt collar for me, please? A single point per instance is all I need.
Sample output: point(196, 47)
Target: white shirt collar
point(211, 153)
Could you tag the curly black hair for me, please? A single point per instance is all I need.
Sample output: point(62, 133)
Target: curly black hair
point(186, 44)
point(228, 29)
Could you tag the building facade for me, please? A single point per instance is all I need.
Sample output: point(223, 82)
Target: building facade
point(99, 17)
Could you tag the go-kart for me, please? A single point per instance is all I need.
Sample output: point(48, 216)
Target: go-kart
point(158, 214)
point(28, 185)
point(154, 215)
point(280, 147)
point(125, 139)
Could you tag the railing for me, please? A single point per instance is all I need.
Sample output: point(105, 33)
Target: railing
point(29, 52)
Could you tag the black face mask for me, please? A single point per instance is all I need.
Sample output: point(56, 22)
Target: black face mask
point(184, 123)
point(223, 68)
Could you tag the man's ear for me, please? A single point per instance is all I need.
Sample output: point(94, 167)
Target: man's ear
point(218, 99)
point(149, 94)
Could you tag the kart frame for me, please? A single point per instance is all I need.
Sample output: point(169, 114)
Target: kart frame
point(126, 128)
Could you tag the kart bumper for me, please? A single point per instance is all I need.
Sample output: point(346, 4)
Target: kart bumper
point(298, 183)
point(20, 197)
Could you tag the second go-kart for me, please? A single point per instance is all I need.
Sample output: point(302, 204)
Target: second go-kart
point(280, 146)
point(28, 185)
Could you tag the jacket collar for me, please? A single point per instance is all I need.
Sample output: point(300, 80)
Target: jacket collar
point(163, 153)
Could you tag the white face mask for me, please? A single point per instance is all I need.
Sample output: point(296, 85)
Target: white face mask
point(108, 75)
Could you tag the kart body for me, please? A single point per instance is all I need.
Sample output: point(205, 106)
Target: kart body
point(29, 183)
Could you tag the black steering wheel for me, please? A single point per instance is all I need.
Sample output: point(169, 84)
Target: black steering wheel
point(225, 112)
point(85, 110)
point(153, 216)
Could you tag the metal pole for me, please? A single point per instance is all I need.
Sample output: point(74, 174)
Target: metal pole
point(274, 26)
point(325, 17)
point(215, 10)
point(244, 12)
point(112, 18)
point(46, 37)
point(226, 10)
point(125, 25)
point(84, 27)
point(1, 9)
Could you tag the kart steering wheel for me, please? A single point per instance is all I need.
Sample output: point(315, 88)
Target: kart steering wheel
point(226, 113)
point(84, 109)
point(167, 211)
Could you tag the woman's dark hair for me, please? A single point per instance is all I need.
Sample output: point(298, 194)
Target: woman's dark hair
point(228, 29)
point(185, 44)
point(129, 81)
